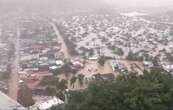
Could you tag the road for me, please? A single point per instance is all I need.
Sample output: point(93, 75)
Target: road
point(13, 81)
point(90, 69)
point(60, 39)
point(64, 49)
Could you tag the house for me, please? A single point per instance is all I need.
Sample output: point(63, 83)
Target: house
point(77, 63)
point(6, 103)
point(45, 103)
point(27, 57)
point(148, 64)
point(59, 63)
point(93, 58)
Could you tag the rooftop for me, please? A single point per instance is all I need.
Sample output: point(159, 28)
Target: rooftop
point(6, 103)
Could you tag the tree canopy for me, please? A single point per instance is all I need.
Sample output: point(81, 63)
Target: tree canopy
point(25, 96)
point(150, 91)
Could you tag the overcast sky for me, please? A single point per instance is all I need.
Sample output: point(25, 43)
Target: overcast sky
point(143, 3)
point(116, 3)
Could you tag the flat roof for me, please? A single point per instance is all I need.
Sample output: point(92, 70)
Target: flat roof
point(6, 103)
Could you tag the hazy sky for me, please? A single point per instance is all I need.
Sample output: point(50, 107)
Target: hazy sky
point(95, 3)
point(143, 3)
point(118, 2)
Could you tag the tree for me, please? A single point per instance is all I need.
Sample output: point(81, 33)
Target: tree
point(51, 91)
point(25, 96)
point(73, 80)
point(169, 57)
point(55, 87)
point(118, 51)
point(98, 77)
point(102, 60)
point(59, 107)
point(155, 61)
point(6, 75)
point(62, 85)
point(150, 91)
point(67, 67)
point(81, 79)
point(130, 55)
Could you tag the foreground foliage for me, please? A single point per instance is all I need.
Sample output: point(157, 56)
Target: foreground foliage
point(151, 91)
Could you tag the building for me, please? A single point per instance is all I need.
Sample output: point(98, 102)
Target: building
point(46, 103)
point(6, 103)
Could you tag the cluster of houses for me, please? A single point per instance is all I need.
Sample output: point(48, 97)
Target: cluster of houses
point(41, 50)
point(6, 54)
point(42, 57)
point(3, 66)
point(3, 58)
point(118, 35)
point(6, 47)
point(39, 46)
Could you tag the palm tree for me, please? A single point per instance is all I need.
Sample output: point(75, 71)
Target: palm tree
point(61, 88)
point(98, 77)
point(62, 85)
point(25, 96)
point(55, 87)
point(73, 80)
point(101, 60)
point(81, 79)
point(67, 67)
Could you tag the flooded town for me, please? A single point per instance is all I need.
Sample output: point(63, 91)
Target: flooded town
point(66, 52)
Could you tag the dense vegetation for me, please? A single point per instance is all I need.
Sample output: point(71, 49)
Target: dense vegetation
point(150, 91)
point(134, 57)
point(25, 96)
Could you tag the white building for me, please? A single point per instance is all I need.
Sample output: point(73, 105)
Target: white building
point(46, 103)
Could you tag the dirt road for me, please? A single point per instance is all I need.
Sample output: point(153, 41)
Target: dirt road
point(60, 39)
point(13, 81)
